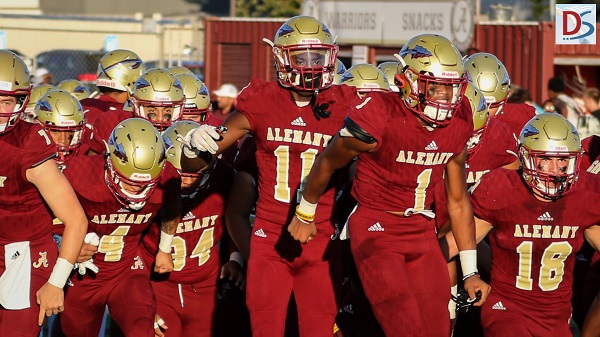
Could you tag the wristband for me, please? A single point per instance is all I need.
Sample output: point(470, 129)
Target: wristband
point(305, 211)
point(237, 257)
point(165, 242)
point(470, 275)
point(468, 262)
point(60, 273)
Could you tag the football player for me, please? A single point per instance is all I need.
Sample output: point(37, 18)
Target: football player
point(61, 115)
point(390, 69)
point(491, 77)
point(292, 120)
point(117, 72)
point(197, 99)
point(75, 88)
point(536, 219)
point(122, 194)
point(405, 145)
point(33, 272)
point(34, 96)
point(365, 78)
point(186, 298)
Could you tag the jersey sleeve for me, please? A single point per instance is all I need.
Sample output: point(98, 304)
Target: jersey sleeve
point(370, 116)
point(38, 148)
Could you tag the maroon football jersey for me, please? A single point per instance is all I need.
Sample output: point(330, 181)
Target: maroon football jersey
point(516, 115)
point(195, 244)
point(103, 126)
point(497, 147)
point(118, 227)
point(534, 242)
point(23, 213)
point(402, 172)
point(288, 139)
point(591, 155)
point(96, 107)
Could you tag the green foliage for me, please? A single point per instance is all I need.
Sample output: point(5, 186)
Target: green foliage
point(267, 8)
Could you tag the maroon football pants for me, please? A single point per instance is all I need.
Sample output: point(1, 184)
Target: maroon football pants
point(403, 273)
point(278, 265)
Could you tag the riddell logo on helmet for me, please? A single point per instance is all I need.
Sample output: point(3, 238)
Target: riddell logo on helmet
point(141, 177)
point(450, 74)
point(105, 83)
point(162, 98)
point(310, 41)
point(558, 148)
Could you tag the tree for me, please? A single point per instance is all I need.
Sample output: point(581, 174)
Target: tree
point(268, 8)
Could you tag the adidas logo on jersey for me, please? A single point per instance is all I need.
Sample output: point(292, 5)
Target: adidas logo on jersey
point(376, 228)
point(432, 146)
point(498, 306)
point(15, 255)
point(188, 216)
point(545, 217)
point(298, 122)
point(260, 233)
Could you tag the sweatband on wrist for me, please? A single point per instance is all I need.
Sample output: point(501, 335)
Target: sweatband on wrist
point(237, 257)
point(468, 262)
point(60, 273)
point(165, 242)
point(305, 211)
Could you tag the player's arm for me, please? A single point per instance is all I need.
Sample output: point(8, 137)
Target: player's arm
point(463, 225)
point(241, 200)
point(591, 326)
point(448, 243)
point(60, 197)
point(347, 144)
point(206, 142)
point(592, 235)
point(169, 217)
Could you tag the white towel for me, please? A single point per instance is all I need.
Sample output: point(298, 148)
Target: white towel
point(15, 282)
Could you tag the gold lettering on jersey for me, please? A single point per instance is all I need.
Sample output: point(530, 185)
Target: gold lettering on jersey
point(42, 261)
point(473, 177)
point(2, 180)
point(121, 218)
point(192, 225)
point(545, 231)
point(593, 169)
point(423, 158)
point(298, 137)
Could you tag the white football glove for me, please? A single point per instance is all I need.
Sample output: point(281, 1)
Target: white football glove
point(201, 139)
point(94, 240)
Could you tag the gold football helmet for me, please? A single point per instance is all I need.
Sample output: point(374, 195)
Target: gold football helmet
point(432, 77)
point(490, 76)
point(76, 88)
point(119, 69)
point(177, 70)
point(14, 81)
point(366, 78)
point(34, 97)
point(197, 99)
point(158, 97)
point(340, 69)
point(61, 114)
point(135, 160)
point(305, 54)
point(480, 115)
point(547, 136)
point(390, 69)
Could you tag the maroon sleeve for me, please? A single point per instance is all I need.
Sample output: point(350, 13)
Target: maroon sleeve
point(370, 115)
point(39, 148)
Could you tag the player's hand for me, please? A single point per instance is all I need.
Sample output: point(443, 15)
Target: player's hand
point(301, 231)
point(159, 326)
point(163, 263)
point(89, 247)
point(83, 266)
point(474, 284)
point(204, 138)
point(234, 272)
point(51, 300)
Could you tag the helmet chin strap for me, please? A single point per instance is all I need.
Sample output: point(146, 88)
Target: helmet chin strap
point(320, 110)
point(136, 206)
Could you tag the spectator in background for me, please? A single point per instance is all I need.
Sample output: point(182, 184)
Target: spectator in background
point(41, 76)
point(591, 99)
point(522, 95)
point(225, 98)
point(548, 106)
point(565, 104)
